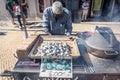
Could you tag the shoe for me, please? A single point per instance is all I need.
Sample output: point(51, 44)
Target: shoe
point(14, 23)
point(19, 27)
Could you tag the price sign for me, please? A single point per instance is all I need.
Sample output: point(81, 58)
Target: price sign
point(62, 74)
point(58, 68)
point(55, 73)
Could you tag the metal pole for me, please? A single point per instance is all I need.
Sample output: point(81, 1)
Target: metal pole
point(25, 30)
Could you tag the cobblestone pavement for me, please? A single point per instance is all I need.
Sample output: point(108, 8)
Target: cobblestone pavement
point(8, 42)
point(11, 37)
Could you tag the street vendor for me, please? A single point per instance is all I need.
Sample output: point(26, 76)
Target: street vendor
point(57, 20)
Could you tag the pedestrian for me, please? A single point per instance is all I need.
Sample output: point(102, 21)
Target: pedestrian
point(41, 5)
point(18, 14)
point(85, 7)
point(57, 20)
point(9, 8)
point(24, 6)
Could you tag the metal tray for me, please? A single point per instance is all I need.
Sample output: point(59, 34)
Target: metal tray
point(73, 47)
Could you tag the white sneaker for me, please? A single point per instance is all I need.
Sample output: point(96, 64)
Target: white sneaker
point(19, 27)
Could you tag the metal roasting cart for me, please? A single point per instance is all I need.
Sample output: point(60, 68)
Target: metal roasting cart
point(85, 66)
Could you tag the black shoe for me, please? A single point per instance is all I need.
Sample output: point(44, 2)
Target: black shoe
point(82, 20)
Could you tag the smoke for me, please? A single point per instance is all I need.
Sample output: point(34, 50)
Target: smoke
point(110, 10)
point(116, 12)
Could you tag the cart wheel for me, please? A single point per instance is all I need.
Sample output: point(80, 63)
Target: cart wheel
point(7, 74)
point(26, 78)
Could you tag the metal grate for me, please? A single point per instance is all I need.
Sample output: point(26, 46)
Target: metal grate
point(79, 69)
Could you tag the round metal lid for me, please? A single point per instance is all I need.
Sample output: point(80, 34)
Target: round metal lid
point(103, 39)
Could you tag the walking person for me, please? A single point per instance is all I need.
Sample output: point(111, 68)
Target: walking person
point(9, 8)
point(57, 20)
point(85, 7)
point(24, 6)
point(18, 14)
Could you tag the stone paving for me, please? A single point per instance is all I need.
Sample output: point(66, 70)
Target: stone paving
point(11, 37)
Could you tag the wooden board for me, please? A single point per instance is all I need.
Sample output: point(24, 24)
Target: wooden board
point(72, 44)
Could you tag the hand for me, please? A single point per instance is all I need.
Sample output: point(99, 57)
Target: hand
point(71, 38)
point(68, 34)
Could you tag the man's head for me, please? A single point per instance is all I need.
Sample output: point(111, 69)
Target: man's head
point(16, 3)
point(57, 9)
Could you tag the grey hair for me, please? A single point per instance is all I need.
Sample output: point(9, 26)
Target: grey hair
point(57, 7)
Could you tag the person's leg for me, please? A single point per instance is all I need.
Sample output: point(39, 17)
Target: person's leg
point(83, 15)
point(12, 19)
point(12, 16)
point(19, 20)
point(25, 16)
point(86, 13)
point(24, 19)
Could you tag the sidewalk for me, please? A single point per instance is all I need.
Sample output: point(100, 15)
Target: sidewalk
point(11, 37)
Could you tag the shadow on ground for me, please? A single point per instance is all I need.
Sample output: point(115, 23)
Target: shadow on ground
point(2, 33)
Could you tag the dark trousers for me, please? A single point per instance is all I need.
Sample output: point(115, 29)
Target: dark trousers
point(19, 20)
